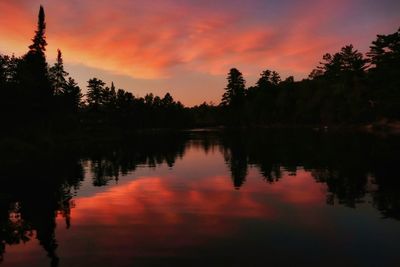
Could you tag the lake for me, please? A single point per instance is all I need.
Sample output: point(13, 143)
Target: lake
point(204, 198)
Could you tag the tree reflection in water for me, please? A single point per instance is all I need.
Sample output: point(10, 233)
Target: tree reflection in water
point(39, 186)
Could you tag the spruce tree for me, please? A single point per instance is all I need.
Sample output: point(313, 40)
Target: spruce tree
point(113, 96)
point(265, 79)
point(33, 75)
point(39, 40)
point(235, 90)
point(95, 93)
point(58, 75)
point(73, 95)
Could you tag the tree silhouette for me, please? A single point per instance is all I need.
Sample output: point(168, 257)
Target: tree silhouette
point(167, 101)
point(72, 95)
point(384, 78)
point(385, 50)
point(124, 99)
point(39, 40)
point(235, 90)
point(268, 78)
point(265, 79)
point(352, 60)
point(95, 93)
point(276, 78)
point(347, 60)
point(33, 74)
point(58, 75)
point(8, 70)
point(112, 97)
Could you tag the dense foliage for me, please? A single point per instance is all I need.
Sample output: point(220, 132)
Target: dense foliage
point(346, 88)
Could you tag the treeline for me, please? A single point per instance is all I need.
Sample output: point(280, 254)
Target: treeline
point(105, 106)
point(346, 88)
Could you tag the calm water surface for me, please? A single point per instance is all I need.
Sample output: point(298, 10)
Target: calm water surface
point(205, 199)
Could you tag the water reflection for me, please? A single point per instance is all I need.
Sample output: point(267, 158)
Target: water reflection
point(163, 210)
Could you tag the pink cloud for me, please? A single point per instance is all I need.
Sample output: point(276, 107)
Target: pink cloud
point(164, 39)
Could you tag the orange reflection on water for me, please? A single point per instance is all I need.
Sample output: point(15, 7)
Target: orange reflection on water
point(19, 255)
point(160, 215)
point(169, 212)
point(299, 189)
point(154, 199)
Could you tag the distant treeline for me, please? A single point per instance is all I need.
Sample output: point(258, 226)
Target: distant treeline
point(346, 88)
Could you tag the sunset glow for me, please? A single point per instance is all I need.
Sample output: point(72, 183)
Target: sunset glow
point(155, 212)
point(187, 47)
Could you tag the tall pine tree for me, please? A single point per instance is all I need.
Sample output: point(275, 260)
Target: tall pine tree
point(33, 75)
point(235, 90)
point(58, 75)
point(39, 40)
point(95, 93)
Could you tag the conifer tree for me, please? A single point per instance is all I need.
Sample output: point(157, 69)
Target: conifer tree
point(73, 95)
point(235, 90)
point(265, 79)
point(33, 72)
point(95, 93)
point(58, 75)
point(113, 96)
point(39, 40)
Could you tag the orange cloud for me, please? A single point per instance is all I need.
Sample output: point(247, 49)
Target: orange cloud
point(164, 40)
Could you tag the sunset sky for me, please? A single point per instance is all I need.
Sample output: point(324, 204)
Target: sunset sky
point(187, 47)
